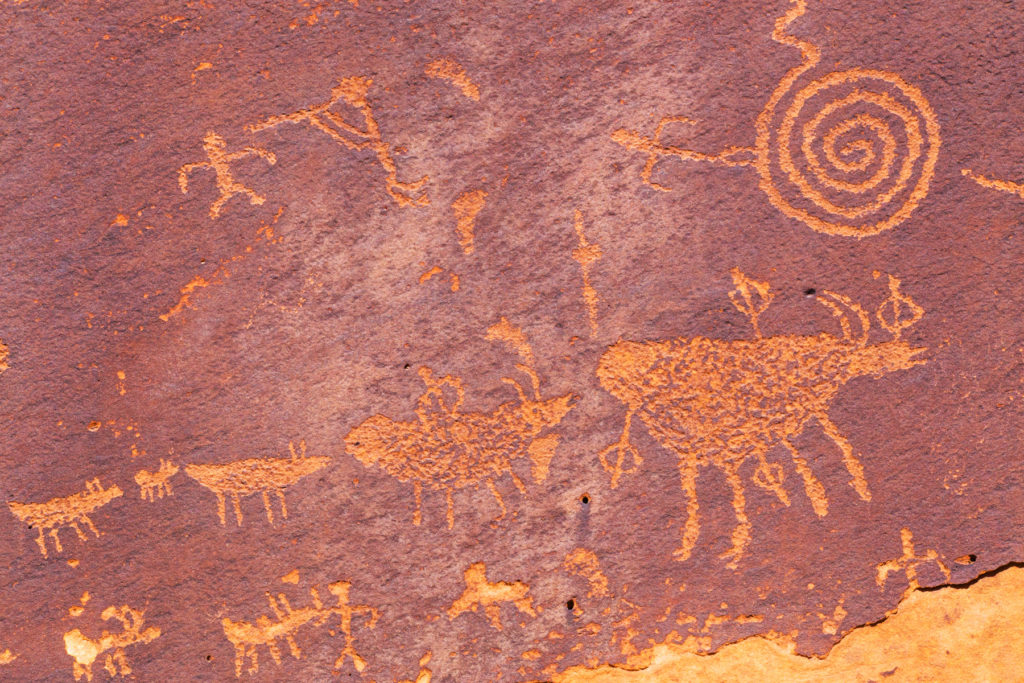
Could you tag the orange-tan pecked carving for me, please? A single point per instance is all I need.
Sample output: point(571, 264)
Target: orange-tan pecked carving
point(583, 562)
point(466, 206)
point(482, 593)
point(352, 91)
point(453, 72)
point(908, 563)
point(446, 449)
point(587, 254)
point(828, 153)
point(247, 637)
point(720, 402)
point(256, 475)
point(63, 512)
point(995, 183)
point(425, 675)
point(85, 651)
point(153, 485)
point(219, 161)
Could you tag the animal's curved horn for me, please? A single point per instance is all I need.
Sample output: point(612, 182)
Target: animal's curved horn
point(862, 316)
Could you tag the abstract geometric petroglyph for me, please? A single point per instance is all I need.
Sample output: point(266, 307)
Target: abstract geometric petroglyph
point(876, 173)
point(556, 340)
point(446, 449)
point(256, 475)
point(720, 402)
point(352, 91)
point(63, 512)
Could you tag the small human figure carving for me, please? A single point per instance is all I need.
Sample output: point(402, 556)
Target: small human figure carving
point(256, 475)
point(908, 563)
point(721, 402)
point(85, 650)
point(352, 91)
point(68, 511)
point(219, 161)
point(246, 637)
point(482, 593)
point(153, 485)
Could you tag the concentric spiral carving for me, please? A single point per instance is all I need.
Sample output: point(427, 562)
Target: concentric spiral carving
point(853, 153)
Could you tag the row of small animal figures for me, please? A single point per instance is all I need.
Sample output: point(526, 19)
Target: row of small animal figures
point(708, 401)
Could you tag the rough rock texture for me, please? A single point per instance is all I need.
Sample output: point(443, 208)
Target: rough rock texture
point(479, 341)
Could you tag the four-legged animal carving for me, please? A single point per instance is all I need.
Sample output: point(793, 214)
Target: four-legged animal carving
point(68, 511)
point(157, 484)
point(720, 402)
point(256, 475)
point(85, 650)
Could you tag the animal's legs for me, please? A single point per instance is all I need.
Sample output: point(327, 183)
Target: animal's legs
point(853, 466)
point(56, 539)
point(293, 646)
point(741, 534)
point(769, 477)
point(688, 480)
point(815, 491)
point(417, 490)
point(350, 651)
point(280, 497)
point(451, 510)
point(266, 506)
point(78, 531)
point(518, 483)
point(92, 527)
point(41, 542)
point(238, 508)
point(220, 507)
point(497, 496)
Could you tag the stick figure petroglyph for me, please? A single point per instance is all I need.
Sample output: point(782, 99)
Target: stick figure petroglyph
point(352, 91)
point(722, 402)
point(219, 160)
point(852, 153)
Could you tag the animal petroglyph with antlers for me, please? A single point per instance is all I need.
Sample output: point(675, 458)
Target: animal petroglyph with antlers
point(722, 402)
point(256, 475)
point(153, 485)
point(68, 511)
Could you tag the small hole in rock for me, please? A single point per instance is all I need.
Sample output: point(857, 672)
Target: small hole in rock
point(966, 559)
point(209, 658)
point(406, 366)
point(585, 499)
point(810, 291)
point(571, 605)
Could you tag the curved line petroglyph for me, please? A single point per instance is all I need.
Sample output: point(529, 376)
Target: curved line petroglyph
point(720, 402)
point(995, 183)
point(63, 512)
point(256, 475)
point(447, 449)
point(352, 91)
point(876, 175)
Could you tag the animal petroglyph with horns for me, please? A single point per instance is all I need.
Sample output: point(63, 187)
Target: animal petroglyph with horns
point(721, 402)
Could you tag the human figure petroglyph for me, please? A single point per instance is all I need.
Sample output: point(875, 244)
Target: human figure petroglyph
point(482, 593)
point(256, 475)
point(908, 563)
point(587, 254)
point(85, 650)
point(447, 449)
point(219, 160)
point(247, 637)
point(854, 174)
point(62, 512)
point(153, 485)
point(722, 402)
point(352, 91)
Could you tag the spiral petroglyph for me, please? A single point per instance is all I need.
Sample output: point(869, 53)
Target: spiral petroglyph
point(850, 153)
